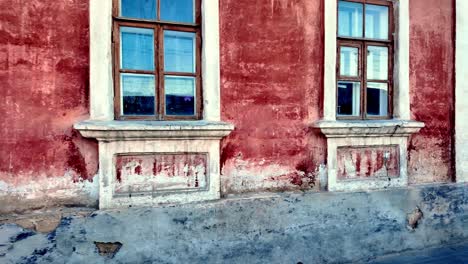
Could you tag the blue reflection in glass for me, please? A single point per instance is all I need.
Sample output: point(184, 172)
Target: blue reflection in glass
point(137, 47)
point(143, 9)
point(137, 94)
point(180, 95)
point(376, 22)
point(178, 10)
point(350, 19)
point(179, 51)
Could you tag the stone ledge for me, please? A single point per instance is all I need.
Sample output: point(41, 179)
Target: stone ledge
point(368, 128)
point(136, 130)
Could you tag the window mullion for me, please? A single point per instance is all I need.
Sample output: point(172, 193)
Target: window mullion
point(364, 63)
point(156, 71)
point(117, 83)
point(198, 97)
point(160, 63)
point(364, 82)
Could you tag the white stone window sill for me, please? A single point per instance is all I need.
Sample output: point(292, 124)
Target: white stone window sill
point(136, 130)
point(368, 128)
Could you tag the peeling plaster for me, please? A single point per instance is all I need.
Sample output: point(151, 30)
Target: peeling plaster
point(47, 192)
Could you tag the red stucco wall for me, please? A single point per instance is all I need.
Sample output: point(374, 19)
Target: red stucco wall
point(432, 89)
point(44, 66)
point(272, 90)
point(272, 54)
point(271, 77)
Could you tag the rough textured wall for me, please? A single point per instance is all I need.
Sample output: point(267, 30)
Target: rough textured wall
point(286, 228)
point(432, 92)
point(44, 65)
point(271, 81)
point(272, 89)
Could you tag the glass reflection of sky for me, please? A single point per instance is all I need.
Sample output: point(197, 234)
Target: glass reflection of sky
point(178, 11)
point(376, 22)
point(350, 19)
point(142, 9)
point(179, 51)
point(137, 84)
point(137, 48)
point(180, 86)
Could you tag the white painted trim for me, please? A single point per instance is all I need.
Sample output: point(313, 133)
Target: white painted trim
point(401, 82)
point(329, 81)
point(334, 184)
point(368, 128)
point(401, 107)
point(142, 130)
point(461, 91)
point(101, 80)
point(210, 61)
point(100, 73)
point(124, 137)
point(107, 181)
point(368, 133)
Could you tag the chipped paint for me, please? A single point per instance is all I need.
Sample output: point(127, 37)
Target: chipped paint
point(368, 162)
point(148, 173)
point(44, 91)
point(45, 192)
point(271, 76)
point(432, 75)
point(271, 89)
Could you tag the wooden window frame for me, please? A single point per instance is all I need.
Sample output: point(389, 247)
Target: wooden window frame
point(362, 44)
point(159, 73)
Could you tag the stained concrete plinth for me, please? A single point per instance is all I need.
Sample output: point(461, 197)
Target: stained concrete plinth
point(283, 228)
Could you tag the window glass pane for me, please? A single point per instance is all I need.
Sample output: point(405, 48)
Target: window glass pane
point(143, 9)
point(349, 60)
point(137, 94)
point(137, 48)
point(376, 22)
point(178, 11)
point(377, 63)
point(179, 51)
point(350, 19)
point(180, 95)
point(349, 97)
point(377, 99)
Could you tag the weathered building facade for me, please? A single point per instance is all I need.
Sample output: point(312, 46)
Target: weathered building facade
point(267, 115)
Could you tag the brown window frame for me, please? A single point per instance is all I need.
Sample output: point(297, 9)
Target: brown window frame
point(362, 44)
point(159, 73)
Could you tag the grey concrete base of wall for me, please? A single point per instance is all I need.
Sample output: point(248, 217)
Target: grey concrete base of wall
point(286, 228)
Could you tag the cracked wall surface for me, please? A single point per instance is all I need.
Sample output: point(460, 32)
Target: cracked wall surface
point(282, 228)
point(271, 89)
